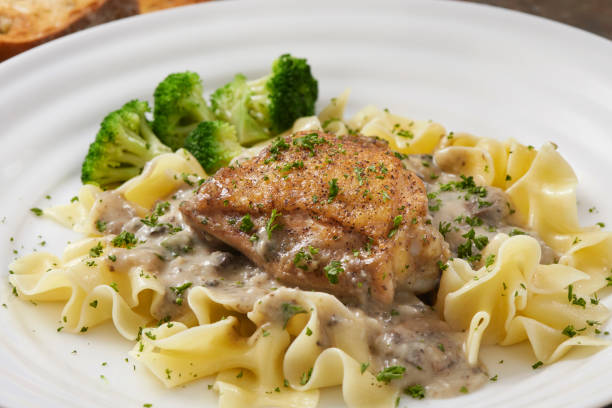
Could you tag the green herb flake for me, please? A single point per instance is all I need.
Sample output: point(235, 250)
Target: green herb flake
point(101, 225)
point(397, 221)
point(309, 142)
point(36, 211)
point(271, 226)
point(306, 377)
point(390, 373)
point(333, 271)
point(416, 391)
point(289, 310)
point(96, 251)
point(333, 190)
point(516, 232)
point(124, 240)
point(246, 224)
point(364, 367)
point(276, 148)
point(569, 331)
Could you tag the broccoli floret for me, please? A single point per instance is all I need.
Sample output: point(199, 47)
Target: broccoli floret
point(213, 144)
point(179, 107)
point(124, 143)
point(267, 106)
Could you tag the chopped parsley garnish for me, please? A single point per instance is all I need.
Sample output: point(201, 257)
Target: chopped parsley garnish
point(94, 304)
point(364, 367)
point(74, 199)
point(101, 225)
point(468, 185)
point(397, 221)
point(289, 310)
point(36, 211)
point(516, 232)
point(463, 390)
point(333, 190)
point(96, 251)
point(114, 286)
point(150, 335)
point(124, 240)
point(416, 391)
point(444, 228)
point(246, 224)
point(308, 331)
point(160, 209)
point(442, 266)
point(575, 300)
point(490, 260)
point(271, 226)
point(276, 148)
point(309, 141)
point(537, 365)
point(465, 250)
point(302, 257)
point(390, 373)
point(360, 173)
point(112, 258)
point(405, 133)
point(306, 376)
point(473, 222)
point(180, 289)
point(298, 164)
point(333, 270)
point(569, 331)
point(434, 202)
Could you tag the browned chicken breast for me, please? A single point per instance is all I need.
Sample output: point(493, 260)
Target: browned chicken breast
point(340, 215)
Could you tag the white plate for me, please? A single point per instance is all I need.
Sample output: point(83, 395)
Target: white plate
point(474, 68)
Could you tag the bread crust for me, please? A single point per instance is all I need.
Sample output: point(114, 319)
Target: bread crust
point(23, 28)
point(147, 6)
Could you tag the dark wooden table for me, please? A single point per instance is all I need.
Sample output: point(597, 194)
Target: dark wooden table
point(590, 15)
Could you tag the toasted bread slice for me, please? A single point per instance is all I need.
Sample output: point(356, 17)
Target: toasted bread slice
point(27, 23)
point(147, 6)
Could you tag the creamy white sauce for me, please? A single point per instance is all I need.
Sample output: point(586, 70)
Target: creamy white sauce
point(408, 334)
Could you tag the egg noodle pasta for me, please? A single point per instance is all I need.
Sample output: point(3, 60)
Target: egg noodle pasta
point(271, 353)
point(511, 302)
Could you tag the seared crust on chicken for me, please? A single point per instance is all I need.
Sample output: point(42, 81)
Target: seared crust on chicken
point(321, 212)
